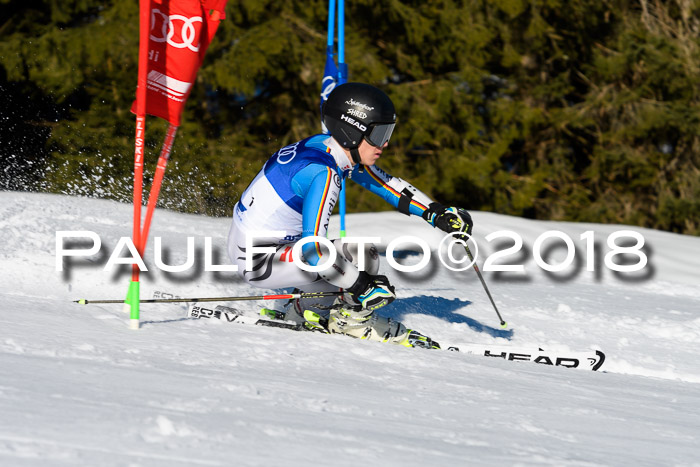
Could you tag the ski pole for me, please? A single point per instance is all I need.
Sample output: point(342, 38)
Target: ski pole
point(481, 278)
point(289, 296)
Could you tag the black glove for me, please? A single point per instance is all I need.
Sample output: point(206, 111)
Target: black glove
point(448, 219)
point(372, 291)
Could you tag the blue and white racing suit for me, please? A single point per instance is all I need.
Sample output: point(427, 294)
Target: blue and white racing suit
point(295, 193)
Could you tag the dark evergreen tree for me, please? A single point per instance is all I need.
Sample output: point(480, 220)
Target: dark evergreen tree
point(583, 110)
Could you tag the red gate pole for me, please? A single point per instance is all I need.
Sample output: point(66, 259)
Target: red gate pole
point(133, 297)
point(157, 182)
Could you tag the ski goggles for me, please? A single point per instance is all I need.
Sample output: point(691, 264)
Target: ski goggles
point(379, 134)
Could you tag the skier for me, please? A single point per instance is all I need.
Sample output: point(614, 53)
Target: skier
point(293, 197)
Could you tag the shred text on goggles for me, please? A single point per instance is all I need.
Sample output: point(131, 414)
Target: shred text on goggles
point(380, 133)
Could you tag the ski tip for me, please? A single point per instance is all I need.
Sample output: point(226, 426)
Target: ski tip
point(601, 360)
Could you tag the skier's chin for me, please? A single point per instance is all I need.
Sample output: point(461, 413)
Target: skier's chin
point(370, 159)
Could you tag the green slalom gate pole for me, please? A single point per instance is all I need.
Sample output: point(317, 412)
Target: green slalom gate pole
point(133, 301)
point(131, 304)
point(133, 295)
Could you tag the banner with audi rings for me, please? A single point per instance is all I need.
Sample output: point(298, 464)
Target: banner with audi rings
point(180, 33)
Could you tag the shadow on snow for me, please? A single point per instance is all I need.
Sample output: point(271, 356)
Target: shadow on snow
point(442, 308)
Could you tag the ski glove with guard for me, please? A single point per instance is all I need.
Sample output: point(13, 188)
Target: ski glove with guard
point(372, 292)
point(448, 219)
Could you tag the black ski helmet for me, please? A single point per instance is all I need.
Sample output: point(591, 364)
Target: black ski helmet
point(356, 110)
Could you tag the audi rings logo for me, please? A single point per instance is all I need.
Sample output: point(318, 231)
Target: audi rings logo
point(163, 29)
point(287, 153)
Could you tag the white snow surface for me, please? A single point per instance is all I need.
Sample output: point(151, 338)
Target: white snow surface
point(78, 387)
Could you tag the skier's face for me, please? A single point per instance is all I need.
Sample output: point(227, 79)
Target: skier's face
point(370, 154)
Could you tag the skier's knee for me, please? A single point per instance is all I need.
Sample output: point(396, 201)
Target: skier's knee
point(367, 257)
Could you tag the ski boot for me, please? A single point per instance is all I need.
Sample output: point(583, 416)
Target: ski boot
point(308, 319)
point(315, 322)
point(361, 323)
point(416, 339)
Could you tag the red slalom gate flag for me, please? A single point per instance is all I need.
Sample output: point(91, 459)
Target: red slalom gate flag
point(173, 38)
point(180, 33)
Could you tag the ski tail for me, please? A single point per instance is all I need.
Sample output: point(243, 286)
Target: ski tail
point(235, 315)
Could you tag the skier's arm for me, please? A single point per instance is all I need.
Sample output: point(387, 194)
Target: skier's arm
point(395, 191)
point(411, 201)
point(319, 186)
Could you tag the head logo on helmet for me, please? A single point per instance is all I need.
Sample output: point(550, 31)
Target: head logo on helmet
point(353, 122)
point(355, 111)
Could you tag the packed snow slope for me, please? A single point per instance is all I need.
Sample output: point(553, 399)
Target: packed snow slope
point(78, 387)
